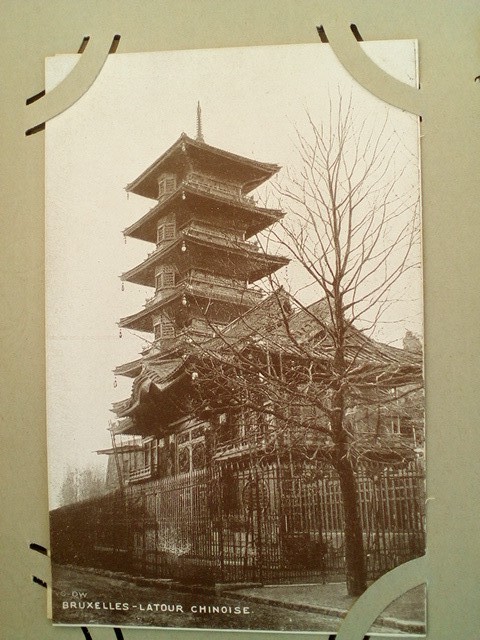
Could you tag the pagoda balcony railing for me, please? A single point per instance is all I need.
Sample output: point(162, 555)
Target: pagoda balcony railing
point(217, 187)
point(198, 277)
point(388, 440)
point(204, 287)
point(219, 238)
point(301, 440)
point(228, 240)
point(251, 443)
point(140, 473)
point(161, 343)
point(220, 291)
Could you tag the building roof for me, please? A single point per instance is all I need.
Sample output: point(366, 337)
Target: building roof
point(242, 211)
point(236, 298)
point(129, 369)
point(255, 323)
point(160, 375)
point(239, 260)
point(120, 449)
point(276, 325)
point(306, 333)
point(246, 171)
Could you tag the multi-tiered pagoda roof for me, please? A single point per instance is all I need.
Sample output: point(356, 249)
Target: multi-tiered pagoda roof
point(203, 265)
point(187, 156)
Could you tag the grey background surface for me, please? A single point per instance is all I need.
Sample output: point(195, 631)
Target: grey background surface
point(449, 102)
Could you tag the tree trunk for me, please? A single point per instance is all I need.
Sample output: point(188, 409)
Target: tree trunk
point(355, 566)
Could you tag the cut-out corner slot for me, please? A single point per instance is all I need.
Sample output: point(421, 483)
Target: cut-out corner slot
point(118, 633)
point(83, 46)
point(322, 35)
point(356, 32)
point(39, 581)
point(115, 43)
point(86, 633)
point(35, 97)
point(36, 129)
point(334, 637)
point(38, 547)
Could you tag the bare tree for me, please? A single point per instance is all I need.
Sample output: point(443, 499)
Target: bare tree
point(305, 370)
point(355, 222)
point(354, 234)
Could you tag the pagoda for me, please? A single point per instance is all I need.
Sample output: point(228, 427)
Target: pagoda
point(209, 483)
point(202, 269)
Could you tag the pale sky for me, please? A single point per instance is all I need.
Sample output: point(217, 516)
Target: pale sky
point(252, 100)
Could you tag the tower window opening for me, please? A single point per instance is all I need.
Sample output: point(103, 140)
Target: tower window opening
point(167, 183)
point(164, 328)
point(165, 278)
point(165, 232)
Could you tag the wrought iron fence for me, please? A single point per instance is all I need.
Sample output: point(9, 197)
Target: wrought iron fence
point(274, 522)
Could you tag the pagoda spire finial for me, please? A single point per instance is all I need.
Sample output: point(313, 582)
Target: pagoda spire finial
point(199, 123)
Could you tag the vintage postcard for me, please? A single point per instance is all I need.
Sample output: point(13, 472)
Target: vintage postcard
point(234, 341)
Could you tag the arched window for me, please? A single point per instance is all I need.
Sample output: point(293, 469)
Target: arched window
point(191, 452)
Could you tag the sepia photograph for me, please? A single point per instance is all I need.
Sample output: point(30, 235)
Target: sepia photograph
point(234, 320)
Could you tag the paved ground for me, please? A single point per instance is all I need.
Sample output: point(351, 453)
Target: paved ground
point(109, 591)
point(86, 597)
point(405, 614)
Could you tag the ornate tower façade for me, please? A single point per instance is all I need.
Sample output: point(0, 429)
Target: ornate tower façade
point(203, 265)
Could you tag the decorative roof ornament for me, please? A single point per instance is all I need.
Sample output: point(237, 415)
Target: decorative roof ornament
point(199, 136)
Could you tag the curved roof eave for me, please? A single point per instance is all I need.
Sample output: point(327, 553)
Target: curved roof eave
point(268, 169)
